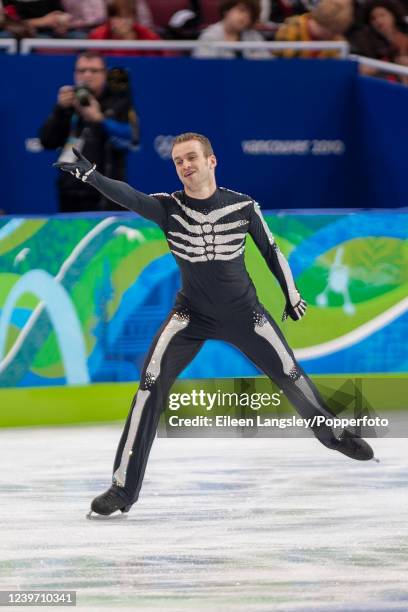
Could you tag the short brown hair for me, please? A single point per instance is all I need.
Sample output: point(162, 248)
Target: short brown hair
point(205, 143)
point(91, 54)
point(251, 5)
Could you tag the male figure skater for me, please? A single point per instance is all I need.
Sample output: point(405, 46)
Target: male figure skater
point(206, 228)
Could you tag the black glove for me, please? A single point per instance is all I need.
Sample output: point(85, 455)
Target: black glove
point(81, 168)
point(295, 312)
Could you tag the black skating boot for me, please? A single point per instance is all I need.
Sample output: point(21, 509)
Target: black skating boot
point(112, 500)
point(354, 446)
point(351, 445)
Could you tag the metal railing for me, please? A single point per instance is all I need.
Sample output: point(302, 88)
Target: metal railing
point(30, 44)
point(379, 65)
point(9, 45)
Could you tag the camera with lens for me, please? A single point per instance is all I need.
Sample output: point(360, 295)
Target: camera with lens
point(83, 93)
point(119, 81)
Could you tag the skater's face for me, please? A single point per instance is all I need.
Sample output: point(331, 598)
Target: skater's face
point(195, 170)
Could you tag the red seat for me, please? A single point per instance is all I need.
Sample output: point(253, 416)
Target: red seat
point(162, 10)
point(210, 11)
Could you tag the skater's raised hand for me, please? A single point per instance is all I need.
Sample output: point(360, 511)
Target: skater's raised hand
point(81, 169)
point(295, 312)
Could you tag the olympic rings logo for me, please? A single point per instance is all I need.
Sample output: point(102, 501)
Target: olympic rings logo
point(163, 145)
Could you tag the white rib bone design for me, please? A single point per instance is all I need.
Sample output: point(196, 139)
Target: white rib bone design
point(227, 248)
point(188, 249)
point(194, 229)
point(214, 215)
point(228, 238)
point(232, 256)
point(208, 244)
point(224, 227)
point(196, 240)
point(174, 326)
point(192, 259)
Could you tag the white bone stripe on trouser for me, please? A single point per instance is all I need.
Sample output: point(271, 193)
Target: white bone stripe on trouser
point(174, 326)
point(266, 331)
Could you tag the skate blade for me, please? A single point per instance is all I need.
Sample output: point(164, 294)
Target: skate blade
point(118, 514)
point(376, 460)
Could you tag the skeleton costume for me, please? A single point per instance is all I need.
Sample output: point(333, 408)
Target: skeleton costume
point(217, 301)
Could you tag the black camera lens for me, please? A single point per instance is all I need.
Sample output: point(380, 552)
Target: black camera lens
point(82, 93)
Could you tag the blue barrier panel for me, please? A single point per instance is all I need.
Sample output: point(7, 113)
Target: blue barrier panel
point(81, 298)
point(381, 137)
point(283, 130)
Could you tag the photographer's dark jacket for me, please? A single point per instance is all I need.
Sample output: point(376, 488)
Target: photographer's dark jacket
point(105, 144)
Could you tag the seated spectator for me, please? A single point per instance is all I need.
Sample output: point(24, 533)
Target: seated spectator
point(276, 11)
point(238, 18)
point(384, 35)
point(45, 18)
point(141, 10)
point(85, 15)
point(328, 21)
point(124, 27)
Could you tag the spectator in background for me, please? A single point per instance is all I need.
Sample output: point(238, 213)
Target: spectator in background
point(10, 26)
point(276, 11)
point(85, 15)
point(384, 35)
point(329, 20)
point(45, 17)
point(122, 26)
point(238, 18)
point(141, 10)
point(96, 117)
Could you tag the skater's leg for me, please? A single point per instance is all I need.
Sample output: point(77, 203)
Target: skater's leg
point(174, 346)
point(263, 342)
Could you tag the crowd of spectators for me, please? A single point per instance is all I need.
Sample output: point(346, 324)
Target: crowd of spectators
point(374, 28)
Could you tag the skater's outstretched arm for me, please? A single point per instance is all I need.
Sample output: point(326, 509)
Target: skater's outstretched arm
point(277, 263)
point(123, 194)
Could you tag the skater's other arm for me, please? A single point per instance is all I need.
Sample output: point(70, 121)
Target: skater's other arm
point(123, 194)
point(277, 263)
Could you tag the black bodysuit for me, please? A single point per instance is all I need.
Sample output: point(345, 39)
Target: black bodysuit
point(217, 301)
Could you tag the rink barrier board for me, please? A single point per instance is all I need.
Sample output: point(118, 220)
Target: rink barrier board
point(114, 278)
point(107, 402)
point(282, 125)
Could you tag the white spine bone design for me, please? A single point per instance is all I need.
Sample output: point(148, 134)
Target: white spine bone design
point(207, 242)
point(174, 326)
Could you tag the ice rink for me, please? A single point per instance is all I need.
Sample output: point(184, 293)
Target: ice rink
point(222, 524)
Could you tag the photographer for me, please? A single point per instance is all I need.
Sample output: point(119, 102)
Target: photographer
point(97, 117)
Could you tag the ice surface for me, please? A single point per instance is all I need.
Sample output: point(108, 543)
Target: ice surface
point(225, 524)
